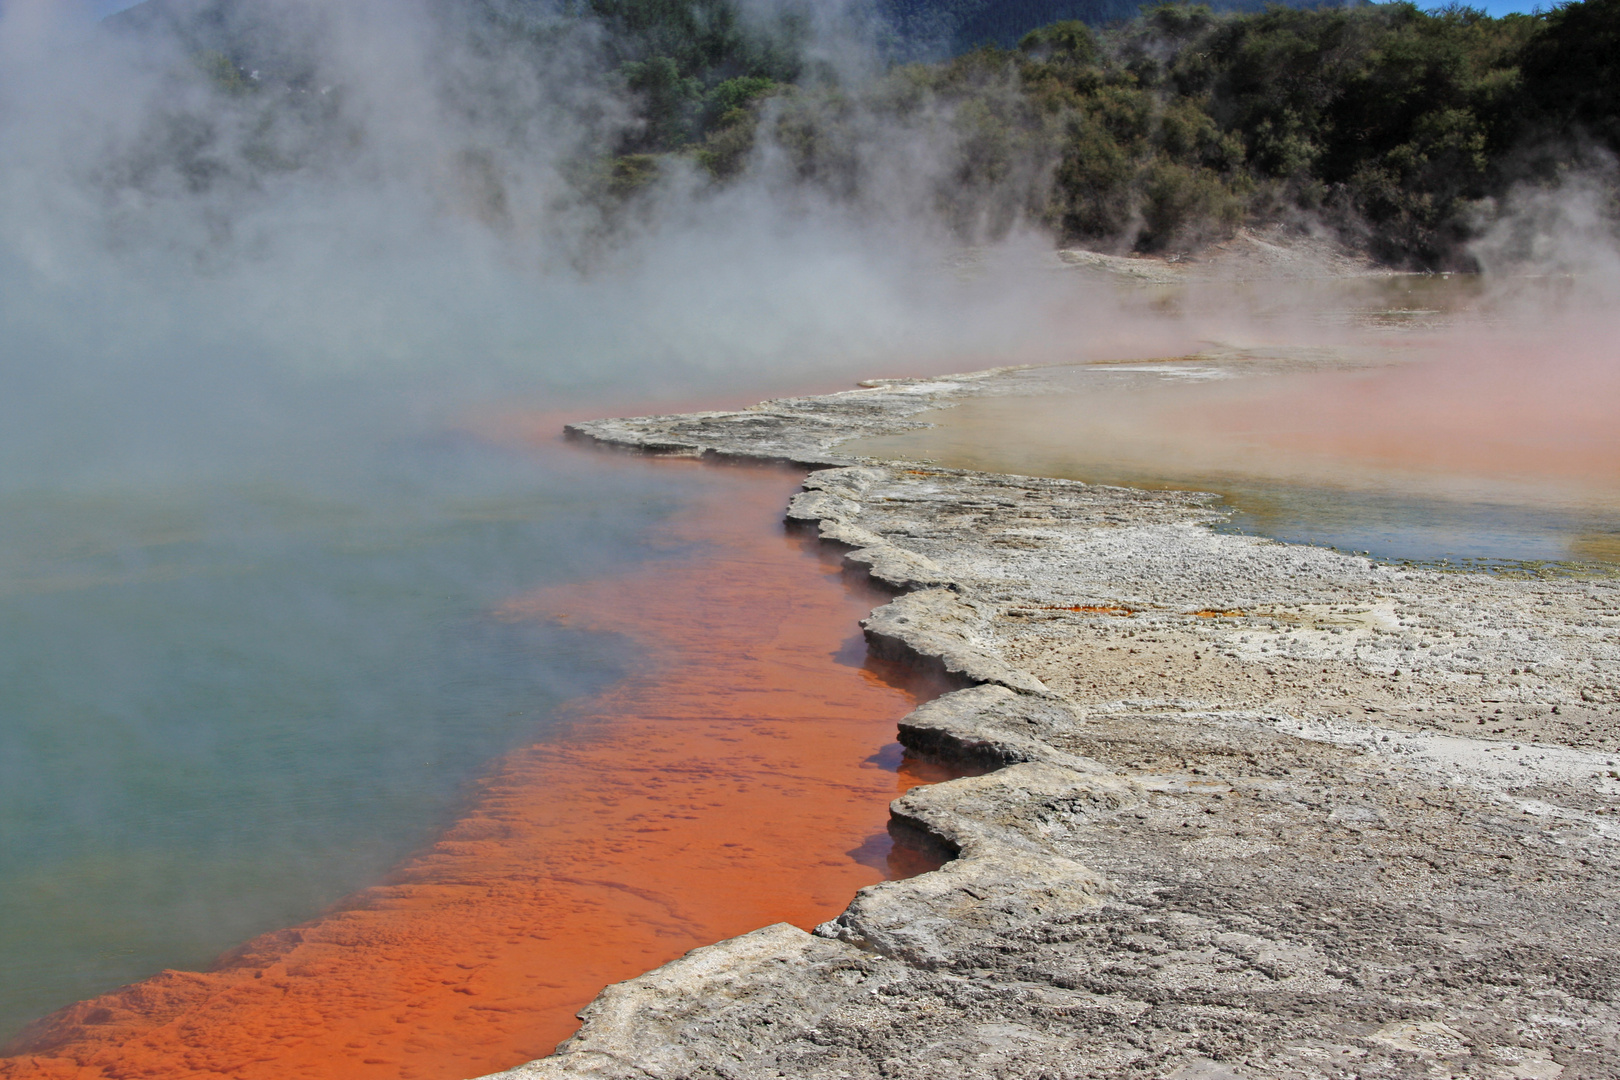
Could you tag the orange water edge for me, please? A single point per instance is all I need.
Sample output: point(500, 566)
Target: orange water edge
point(727, 784)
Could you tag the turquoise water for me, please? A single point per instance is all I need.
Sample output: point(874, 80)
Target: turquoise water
point(224, 705)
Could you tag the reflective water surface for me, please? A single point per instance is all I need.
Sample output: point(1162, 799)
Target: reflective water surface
point(224, 708)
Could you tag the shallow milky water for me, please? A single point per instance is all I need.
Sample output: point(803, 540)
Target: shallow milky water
point(1415, 460)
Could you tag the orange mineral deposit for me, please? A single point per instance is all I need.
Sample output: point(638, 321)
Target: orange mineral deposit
point(726, 785)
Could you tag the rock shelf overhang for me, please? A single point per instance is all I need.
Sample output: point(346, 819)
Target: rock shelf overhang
point(1252, 809)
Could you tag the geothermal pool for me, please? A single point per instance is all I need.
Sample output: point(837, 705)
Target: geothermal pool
point(227, 708)
point(736, 774)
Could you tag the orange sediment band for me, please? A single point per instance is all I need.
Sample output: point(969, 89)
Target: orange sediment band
point(720, 788)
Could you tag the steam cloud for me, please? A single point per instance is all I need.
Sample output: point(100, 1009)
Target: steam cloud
point(237, 330)
point(389, 228)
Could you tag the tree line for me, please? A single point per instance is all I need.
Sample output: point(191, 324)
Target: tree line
point(1392, 124)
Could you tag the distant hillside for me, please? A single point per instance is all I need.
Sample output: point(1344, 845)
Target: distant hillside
point(931, 29)
point(279, 46)
point(1400, 128)
point(912, 29)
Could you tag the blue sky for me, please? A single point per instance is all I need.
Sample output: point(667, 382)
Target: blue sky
point(1508, 7)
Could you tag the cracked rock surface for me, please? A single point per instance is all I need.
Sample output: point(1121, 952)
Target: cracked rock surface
point(1245, 809)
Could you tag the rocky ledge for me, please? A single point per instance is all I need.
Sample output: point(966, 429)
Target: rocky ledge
point(1244, 809)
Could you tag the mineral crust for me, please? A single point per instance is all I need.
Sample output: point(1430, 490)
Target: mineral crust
point(1246, 809)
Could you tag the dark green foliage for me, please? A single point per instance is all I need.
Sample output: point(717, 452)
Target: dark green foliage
point(1392, 121)
point(703, 38)
point(931, 28)
point(1388, 111)
point(1005, 22)
point(737, 93)
point(1068, 44)
point(730, 116)
point(1571, 70)
point(1178, 125)
point(1165, 129)
point(630, 173)
point(668, 101)
point(676, 54)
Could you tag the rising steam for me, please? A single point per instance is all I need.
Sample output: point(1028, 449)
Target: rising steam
point(398, 218)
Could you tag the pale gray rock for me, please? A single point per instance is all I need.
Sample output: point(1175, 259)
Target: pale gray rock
point(991, 726)
point(939, 627)
point(799, 431)
point(1243, 809)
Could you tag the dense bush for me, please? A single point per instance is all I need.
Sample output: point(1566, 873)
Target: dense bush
point(1571, 70)
point(1392, 123)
